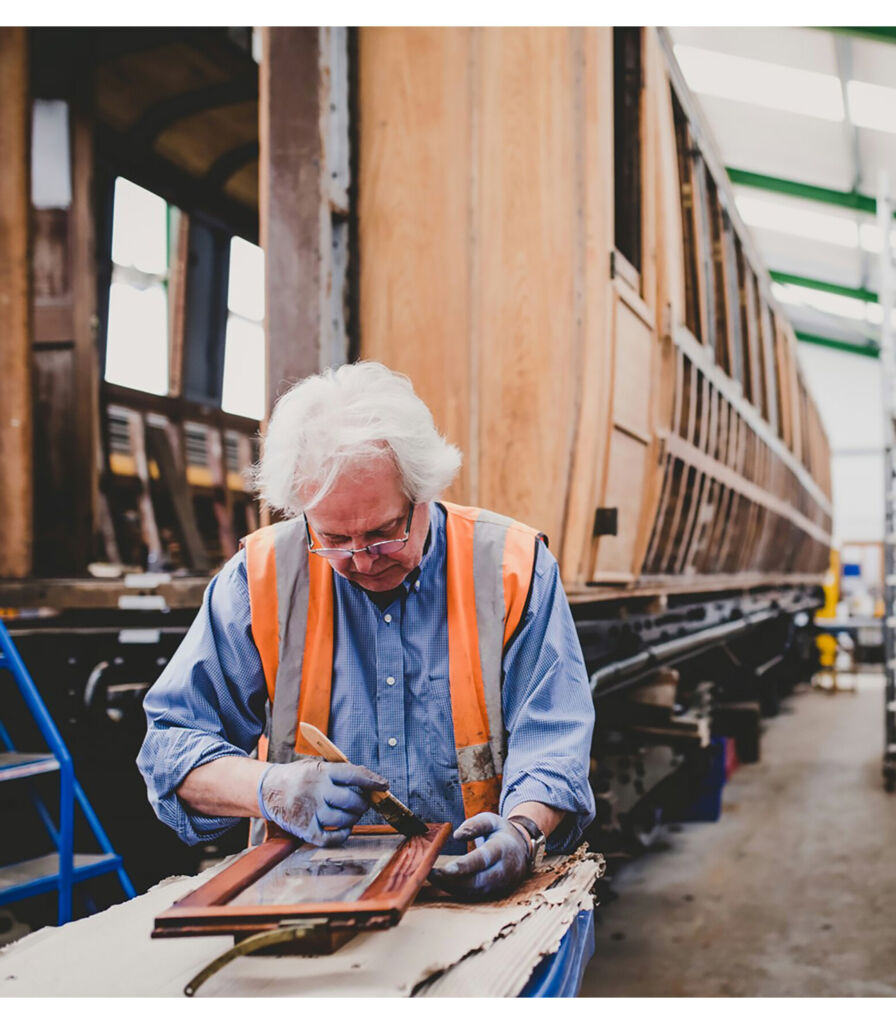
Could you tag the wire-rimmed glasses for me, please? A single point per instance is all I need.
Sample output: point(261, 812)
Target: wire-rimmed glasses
point(381, 547)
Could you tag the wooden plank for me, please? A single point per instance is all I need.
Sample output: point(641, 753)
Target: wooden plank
point(222, 499)
point(703, 238)
point(177, 304)
point(84, 524)
point(148, 527)
point(416, 205)
point(591, 454)
point(173, 478)
point(529, 233)
point(89, 593)
point(739, 483)
point(291, 198)
point(16, 472)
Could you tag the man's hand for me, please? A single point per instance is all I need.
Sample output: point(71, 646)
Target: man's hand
point(315, 800)
point(492, 869)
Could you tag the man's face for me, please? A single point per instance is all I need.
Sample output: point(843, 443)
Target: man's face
point(365, 506)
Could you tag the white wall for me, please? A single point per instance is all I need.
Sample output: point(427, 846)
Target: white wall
point(847, 390)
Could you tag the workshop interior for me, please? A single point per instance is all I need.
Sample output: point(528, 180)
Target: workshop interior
point(644, 280)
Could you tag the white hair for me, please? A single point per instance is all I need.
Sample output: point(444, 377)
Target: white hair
point(330, 422)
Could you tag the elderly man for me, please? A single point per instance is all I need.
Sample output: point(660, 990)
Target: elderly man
point(432, 642)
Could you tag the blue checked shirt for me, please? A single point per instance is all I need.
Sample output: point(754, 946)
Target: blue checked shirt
point(390, 704)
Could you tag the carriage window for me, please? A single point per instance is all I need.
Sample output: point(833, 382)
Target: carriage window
point(244, 363)
point(683, 148)
point(137, 335)
point(627, 88)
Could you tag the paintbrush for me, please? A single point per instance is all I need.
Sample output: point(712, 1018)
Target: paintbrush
point(401, 818)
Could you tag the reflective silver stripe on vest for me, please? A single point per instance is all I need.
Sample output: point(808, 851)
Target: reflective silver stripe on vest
point(489, 537)
point(291, 555)
point(475, 763)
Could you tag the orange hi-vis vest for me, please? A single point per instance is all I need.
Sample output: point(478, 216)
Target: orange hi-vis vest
point(490, 561)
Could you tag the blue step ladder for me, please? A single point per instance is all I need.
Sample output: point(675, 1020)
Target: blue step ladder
point(63, 869)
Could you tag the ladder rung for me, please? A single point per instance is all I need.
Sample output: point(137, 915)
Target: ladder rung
point(17, 765)
point(30, 877)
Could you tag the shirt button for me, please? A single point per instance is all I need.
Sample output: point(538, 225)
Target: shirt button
point(387, 617)
point(390, 680)
point(417, 585)
point(393, 742)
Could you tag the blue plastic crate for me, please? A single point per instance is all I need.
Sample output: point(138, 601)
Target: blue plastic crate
point(708, 804)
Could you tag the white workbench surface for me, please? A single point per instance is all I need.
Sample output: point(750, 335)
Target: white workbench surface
point(437, 949)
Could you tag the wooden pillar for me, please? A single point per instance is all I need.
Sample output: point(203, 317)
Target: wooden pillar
point(15, 308)
point(86, 367)
point(293, 208)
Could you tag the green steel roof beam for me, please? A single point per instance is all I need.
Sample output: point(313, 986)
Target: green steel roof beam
point(800, 190)
point(871, 349)
point(880, 34)
point(862, 294)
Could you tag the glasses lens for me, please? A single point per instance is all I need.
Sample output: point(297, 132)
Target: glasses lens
point(335, 553)
point(386, 547)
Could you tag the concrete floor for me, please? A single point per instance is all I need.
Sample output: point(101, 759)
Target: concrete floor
point(791, 893)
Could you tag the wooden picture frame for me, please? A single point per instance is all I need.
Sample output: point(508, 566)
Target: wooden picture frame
point(224, 905)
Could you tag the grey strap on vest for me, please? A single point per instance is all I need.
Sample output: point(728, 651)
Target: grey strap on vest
point(489, 535)
point(292, 618)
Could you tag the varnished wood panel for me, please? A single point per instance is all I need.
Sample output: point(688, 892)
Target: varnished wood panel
point(415, 207)
point(530, 226)
point(594, 430)
point(15, 308)
point(557, 400)
point(625, 483)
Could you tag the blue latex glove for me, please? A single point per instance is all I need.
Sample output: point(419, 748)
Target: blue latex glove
point(499, 862)
point(315, 800)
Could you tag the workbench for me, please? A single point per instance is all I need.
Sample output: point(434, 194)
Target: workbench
point(439, 948)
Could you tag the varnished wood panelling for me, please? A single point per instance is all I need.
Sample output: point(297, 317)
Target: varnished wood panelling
point(593, 426)
point(625, 478)
point(415, 210)
point(15, 308)
point(529, 226)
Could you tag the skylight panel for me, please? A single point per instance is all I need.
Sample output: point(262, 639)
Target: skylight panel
point(761, 83)
point(869, 238)
point(794, 219)
point(872, 106)
point(828, 302)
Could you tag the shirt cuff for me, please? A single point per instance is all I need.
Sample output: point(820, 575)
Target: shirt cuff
point(181, 751)
point(542, 785)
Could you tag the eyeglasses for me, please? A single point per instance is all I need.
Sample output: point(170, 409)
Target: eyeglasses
point(382, 547)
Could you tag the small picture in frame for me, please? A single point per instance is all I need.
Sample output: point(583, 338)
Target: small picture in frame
point(367, 883)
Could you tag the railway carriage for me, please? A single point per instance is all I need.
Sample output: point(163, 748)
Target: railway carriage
point(531, 223)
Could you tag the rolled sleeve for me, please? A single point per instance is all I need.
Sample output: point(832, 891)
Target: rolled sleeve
point(208, 703)
point(548, 711)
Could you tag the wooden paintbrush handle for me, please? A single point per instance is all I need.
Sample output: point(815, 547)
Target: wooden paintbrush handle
point(324, 746)
point(330, 752)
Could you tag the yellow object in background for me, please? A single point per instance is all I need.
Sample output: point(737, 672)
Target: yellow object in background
point(831, 588)
point(827, 650)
